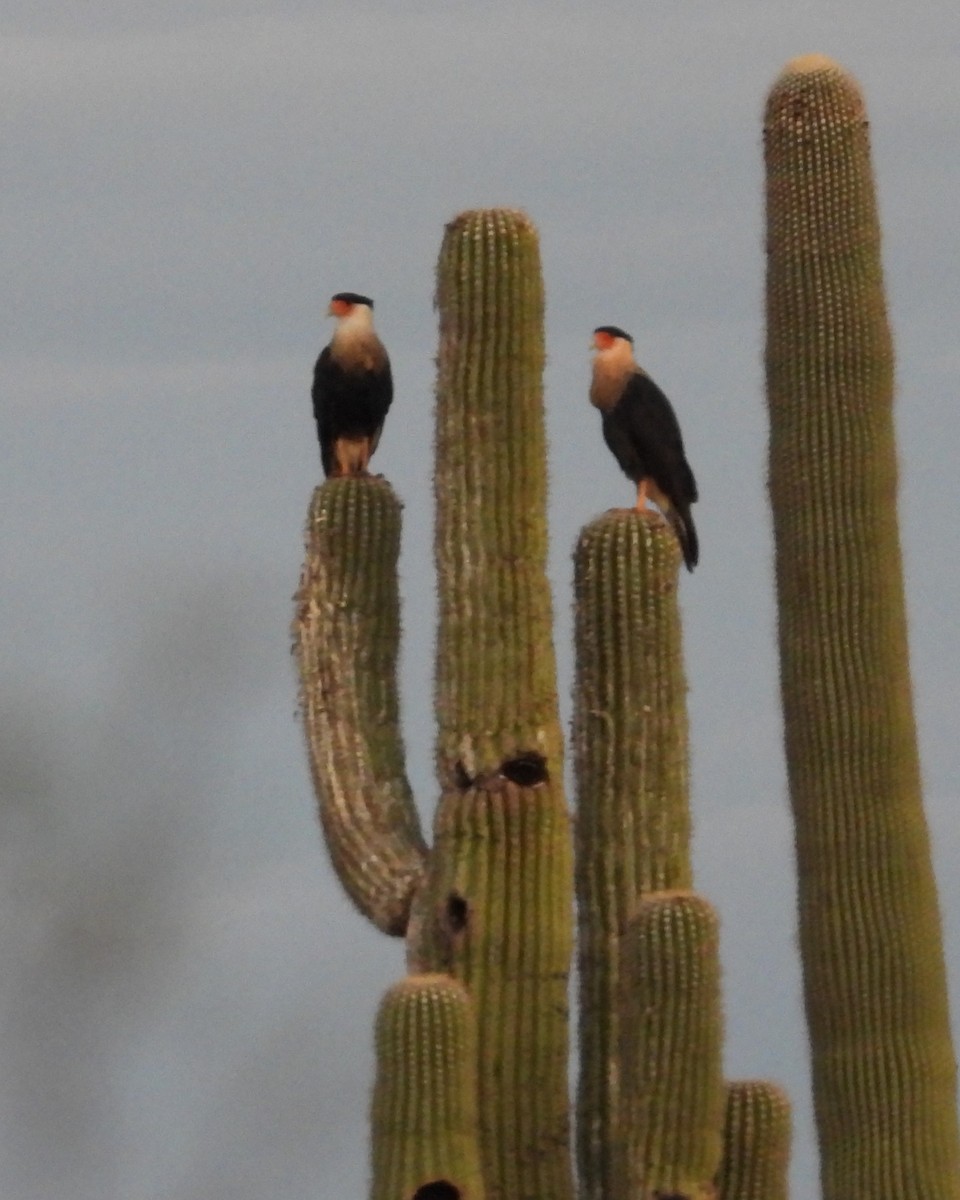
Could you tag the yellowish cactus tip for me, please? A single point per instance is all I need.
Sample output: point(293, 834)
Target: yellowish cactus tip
point(427, 982)
point(813, 89)
point(807, 64)
point(489, 220)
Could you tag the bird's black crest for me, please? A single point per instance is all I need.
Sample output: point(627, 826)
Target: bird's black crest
point(352, 298)
point(614, 331)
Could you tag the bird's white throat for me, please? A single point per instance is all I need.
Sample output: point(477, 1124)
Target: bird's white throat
point(611, 368)
point(356, 324)
point(355, 342)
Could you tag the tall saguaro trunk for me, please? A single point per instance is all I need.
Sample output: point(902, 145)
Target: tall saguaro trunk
point(503, 853)
point(883, 1063)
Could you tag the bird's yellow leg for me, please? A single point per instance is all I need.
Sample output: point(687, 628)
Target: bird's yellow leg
point(641, 495)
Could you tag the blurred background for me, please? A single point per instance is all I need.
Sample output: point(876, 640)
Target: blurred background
point(187, 998)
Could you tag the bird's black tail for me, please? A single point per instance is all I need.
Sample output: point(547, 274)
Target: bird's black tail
point(686, 532)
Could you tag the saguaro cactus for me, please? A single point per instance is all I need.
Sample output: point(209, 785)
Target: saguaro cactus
point(651, 1097)
point(883, 1064)
point(496, 673)
point(471, 1100)
point(633, 816)
point(424, 1112)
point(756, 1142)
point(670, 1047)
point(502, 838)
point(491, 903)
point(347, 630)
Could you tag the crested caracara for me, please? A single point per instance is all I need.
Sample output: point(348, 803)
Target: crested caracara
point(641, 429)
point(352, 388)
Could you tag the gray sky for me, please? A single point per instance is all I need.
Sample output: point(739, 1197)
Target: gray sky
point(188, 999)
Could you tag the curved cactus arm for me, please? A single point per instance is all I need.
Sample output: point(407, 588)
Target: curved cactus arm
point(630, 745)
point(346, 633)
point(671, 1048)
point(424, 1112)
point(884, 1072)
point(756, 1142)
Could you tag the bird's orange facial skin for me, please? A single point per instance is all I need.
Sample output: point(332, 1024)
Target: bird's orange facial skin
point(603, 341)
point(339, 308)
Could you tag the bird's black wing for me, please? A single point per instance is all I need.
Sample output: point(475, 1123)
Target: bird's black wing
point(643, 432)
point(348, 403)
point(380, 390)
point(326, 384)
point(647, 419)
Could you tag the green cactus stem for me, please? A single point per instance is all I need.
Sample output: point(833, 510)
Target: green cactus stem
point(499, 901)
point(630, 745)
point(502, 925)
point(883, 1064)
point(346, 630)
point(756, 1142)
point(671, 1044)
point(424, 1111)
point(496, 676)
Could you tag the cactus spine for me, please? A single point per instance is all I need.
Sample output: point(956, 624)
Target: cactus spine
point(883, 1065)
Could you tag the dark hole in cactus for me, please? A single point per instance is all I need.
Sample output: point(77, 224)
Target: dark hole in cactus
point(457, 913)
point(439, 1189)
point(526, 770)
point(462, 776)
